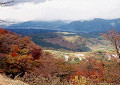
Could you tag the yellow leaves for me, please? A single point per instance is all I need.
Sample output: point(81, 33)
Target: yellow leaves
point(79, 80)
point(21, 57)
point(28, 57)
point(82, 80)
point(76, 77)
point(24, 51)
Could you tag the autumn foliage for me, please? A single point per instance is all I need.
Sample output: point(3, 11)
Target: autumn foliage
point(22, 58)
point(36, 53)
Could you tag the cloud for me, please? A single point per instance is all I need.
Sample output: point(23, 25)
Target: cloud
point(61, 10)
point(23, 1)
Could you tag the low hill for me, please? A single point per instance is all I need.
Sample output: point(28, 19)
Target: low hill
point(76, 42)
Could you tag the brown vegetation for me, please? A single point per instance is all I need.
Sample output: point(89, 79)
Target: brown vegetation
point(21, 59)
point(114, 37)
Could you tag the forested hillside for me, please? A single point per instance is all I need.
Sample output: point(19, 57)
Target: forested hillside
point(22, 59)
point(69, 41)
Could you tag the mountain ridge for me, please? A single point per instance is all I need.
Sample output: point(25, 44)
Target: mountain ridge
point(96, 24)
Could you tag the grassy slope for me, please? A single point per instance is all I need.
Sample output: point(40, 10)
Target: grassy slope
point(94, 43)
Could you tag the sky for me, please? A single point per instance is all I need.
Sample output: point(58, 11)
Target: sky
point(50, 10)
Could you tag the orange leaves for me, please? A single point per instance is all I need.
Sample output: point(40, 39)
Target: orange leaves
point(25, 40)
point(14, 48)
point(91, 68)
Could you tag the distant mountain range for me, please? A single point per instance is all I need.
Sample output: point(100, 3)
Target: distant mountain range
point(94, 25)
point(37, 25)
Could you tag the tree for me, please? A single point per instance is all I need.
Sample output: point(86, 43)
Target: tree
point(114, 38)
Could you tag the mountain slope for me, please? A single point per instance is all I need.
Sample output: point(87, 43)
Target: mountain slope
point(58, 40)
point(92, 25)
point(96, 24)
point(38, 25)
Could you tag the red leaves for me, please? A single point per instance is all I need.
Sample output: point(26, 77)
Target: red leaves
point(14, 54)
point(2, 31)
point(14, 50)
point(36, 53)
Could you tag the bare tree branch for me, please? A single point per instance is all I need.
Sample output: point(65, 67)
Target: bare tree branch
point(114, 37)
point(8, 3)
point(3, 4)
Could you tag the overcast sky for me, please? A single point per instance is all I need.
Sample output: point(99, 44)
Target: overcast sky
point(25, 10)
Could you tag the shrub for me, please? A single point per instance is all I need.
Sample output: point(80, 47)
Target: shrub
point(17, 65)
point(112, 71)
point(76, 59)
point(36, 53)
